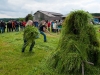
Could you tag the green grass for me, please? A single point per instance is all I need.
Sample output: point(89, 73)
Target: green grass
point(14, 62)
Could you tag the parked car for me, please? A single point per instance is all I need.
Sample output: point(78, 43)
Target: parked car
point(96, 21)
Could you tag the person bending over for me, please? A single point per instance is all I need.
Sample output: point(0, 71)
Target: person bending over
point(30, 34)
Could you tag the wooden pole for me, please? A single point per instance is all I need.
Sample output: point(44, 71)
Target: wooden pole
point(82, 68)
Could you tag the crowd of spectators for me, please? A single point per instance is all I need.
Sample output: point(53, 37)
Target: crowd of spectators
point(13, 25)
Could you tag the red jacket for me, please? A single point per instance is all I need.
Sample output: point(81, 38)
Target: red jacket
point(48, 24)
point(24, 23)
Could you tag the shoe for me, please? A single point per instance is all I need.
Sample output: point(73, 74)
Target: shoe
point(30, 50)
point(45, 41)
point(22, 51)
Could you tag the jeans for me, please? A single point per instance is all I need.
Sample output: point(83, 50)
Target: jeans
point(2, 29)
point(25, 45)
point(17, 29)
point(41, 32)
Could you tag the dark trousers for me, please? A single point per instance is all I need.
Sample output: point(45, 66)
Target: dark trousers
point(25, 45)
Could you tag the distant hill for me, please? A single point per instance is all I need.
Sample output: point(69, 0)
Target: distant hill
point(8, 19)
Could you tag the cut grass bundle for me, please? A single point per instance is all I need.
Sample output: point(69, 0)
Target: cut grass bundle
point(78, 49)
point(30, 33)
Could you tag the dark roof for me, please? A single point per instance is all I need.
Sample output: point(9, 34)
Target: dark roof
point(51, 14)
point(65, 15)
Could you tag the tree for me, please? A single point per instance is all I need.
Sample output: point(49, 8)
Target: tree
point(21, 19)
point(78, 49)
point(28, 17)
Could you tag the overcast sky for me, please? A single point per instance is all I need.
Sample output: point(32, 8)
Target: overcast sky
point(20, 8)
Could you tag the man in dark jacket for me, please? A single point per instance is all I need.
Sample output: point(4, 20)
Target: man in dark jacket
point(42, 29)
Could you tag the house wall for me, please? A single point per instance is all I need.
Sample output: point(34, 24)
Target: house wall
point(46, 17)
point(36, 16)
point(40, 16)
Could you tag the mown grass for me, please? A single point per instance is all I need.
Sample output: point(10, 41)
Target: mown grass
point(14, 62)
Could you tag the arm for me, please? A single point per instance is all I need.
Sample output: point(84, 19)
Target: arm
point(45, 30)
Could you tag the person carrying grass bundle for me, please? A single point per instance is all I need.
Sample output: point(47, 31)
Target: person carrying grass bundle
point(78, 50)
point(30, 34)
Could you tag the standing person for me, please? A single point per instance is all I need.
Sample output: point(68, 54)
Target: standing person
point(36, 23)
point(9, 26)
point(21, 26)
point(59, 26)
point(13, 26)
point(2, 26)
point(48, 25)
point(55, 26)
point(43, 29)
point(16, 26)
point(30, 34)
point(52, 22)
point(23, 23)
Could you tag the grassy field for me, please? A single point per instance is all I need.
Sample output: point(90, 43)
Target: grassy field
point(14, 62)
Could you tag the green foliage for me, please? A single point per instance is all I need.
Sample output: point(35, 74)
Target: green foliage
point(30, 33)
point(21, 19)
point(28, 17)
point(78, 44)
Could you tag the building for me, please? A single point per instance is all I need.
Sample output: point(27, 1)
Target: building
point(64, 16)
point(95, 20)
point(45, 15)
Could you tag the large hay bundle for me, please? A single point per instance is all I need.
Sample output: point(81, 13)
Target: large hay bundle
point(78, 47)
point(30, 33)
